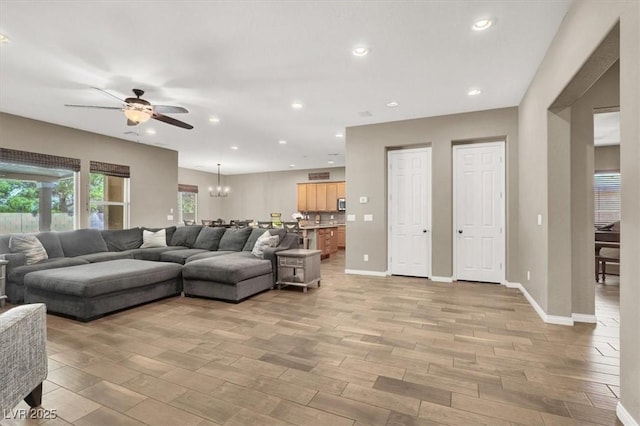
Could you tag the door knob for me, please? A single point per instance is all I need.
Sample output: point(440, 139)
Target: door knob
point(424, 230)
point(459, 231)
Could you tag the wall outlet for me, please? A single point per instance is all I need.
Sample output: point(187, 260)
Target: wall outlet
point(331, 217)
point(528, 275)
point(365, 257)
point(364, 200)
point(368, 218)
point(169, 217)
point(171, 211)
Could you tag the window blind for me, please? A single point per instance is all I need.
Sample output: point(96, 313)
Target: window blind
point(606, 195)
point(39, 160)
point(187, 188)
point(109, 169)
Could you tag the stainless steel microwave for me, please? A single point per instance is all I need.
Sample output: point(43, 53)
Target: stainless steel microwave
point(342, 204)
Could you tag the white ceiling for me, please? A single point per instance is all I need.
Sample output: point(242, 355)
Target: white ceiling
point(247, 61)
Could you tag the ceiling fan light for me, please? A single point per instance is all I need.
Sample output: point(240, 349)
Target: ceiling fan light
point(136, 115)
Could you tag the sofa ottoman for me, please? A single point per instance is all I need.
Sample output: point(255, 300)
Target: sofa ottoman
point(87, 292)
point(231, 277)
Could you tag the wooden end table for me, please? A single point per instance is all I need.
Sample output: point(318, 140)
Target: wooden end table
point(298, 267)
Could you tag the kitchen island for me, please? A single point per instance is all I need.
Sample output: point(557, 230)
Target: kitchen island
point(323, 237)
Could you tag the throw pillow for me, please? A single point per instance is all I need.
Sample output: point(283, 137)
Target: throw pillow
point(234, 239)
point(28, 245)
point(154, 239)
point(185, 235)
point(266, 240)
point(209, 238)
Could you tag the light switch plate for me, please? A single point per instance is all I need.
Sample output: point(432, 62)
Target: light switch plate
point(351, 218)
point(169, 217)
point(368, 218)
point(364, 200)
point(539, 219)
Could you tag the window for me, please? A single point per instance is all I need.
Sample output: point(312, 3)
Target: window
point(606, 188)
point(108, 196)
point(188, 202)
point(37, 192)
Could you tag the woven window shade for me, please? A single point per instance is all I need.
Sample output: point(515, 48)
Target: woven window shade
point(109, 169)
point(39, 160)
point(187, 188)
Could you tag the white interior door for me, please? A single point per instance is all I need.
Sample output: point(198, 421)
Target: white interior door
point(410, 212)
point(479, 242)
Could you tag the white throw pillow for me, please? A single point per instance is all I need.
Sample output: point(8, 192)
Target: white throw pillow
point(154, 239)
point(265, 240)
point(28, 245)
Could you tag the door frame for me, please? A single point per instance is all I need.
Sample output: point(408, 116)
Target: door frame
point(503, 212)
point(429, 208)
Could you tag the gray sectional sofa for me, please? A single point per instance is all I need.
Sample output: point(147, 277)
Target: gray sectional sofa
point(85, 291)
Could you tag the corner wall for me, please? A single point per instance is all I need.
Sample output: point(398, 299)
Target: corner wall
point(154, 171)
point(584, 27)
point(366, 154)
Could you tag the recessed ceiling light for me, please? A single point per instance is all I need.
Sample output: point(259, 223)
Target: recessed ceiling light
point(474, 92)
point(4, 39)
point(481, 24)
point(292, 165)
point(151, 131)
point(282, 142)
point(360, 51)
point(339, 135)
point(214, 119)
point(392, 104)
point(296, 105)
point(235, 148)
point(331, 162)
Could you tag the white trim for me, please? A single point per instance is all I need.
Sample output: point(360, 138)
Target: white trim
point(369, 273)
point(501, 144)
point(442, 279)
point(591, 319)
point(551, 319)
point(624, 416)
point(509, 284)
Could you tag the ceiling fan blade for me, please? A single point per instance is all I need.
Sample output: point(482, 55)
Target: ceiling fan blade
point(110, 94)
point(169, 109)
point(170, 120)
point(93, 106)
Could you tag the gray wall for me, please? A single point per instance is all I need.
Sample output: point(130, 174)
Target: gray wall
point(604, 93)
point(607, 158)
point(252, 196)
point(366, 154)
point(154, 171)
point(584, 26)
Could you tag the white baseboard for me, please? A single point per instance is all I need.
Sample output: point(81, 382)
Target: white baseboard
point(624, 416)
point(442, 279)
point(591, 319)
point(361, 272)
point(511, 285)
point(551, 319)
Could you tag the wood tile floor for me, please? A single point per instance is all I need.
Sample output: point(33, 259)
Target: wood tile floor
point(357, 351)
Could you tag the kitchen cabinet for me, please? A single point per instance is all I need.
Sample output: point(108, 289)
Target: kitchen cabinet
point(302, 197)
point(312, 202)
point(332, 196)
point(321, 197)
point(333, 247)
point(341, 190)
point(342, 240)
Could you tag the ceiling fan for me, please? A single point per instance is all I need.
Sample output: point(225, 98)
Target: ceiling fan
point(138, 110)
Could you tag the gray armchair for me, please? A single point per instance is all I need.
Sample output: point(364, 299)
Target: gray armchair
point(23, 355)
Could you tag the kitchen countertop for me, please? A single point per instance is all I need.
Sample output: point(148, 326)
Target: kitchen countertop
point(321, 226)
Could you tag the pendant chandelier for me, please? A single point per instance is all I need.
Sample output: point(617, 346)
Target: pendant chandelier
point(219, 192)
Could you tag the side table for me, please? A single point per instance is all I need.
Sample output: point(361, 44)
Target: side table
point(299, 267)
point(3, 280)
